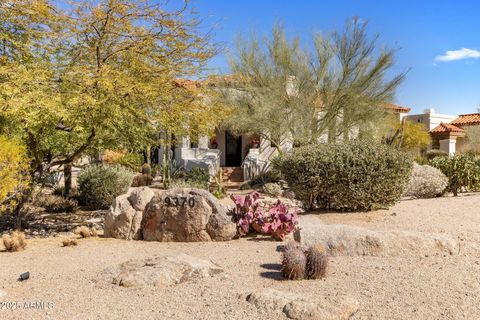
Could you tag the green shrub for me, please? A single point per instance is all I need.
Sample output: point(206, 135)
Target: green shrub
point(181, 183)
point(462, 171)
point(99, 185)
point(58, 204)
point(434, 153)
point(349, 176)
point(219, 194)
point(260, 180)
point(272, 189)
point(133, 161)
point(198, 176)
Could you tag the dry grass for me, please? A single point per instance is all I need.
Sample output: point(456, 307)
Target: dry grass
point(69, 242)
point(14, 242)
point(85, 232)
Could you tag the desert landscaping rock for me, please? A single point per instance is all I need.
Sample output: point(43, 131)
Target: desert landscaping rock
point(162, 271)
point(2, 294)
point(124, 219)
point(299, 307)
point(140, 197)
point(348, 240)
point(186, 215)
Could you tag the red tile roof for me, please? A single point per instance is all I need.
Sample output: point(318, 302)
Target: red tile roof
point(446, 127)
point(397, 108)
point(467, 119)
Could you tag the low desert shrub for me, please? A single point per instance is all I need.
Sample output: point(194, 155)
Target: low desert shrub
point(132, 161)
point(181, 183)
point(462, 170)
point(219, 193)
point(433, 153)
point(357, 175)
point(99, 185)
point(260, 180)
point(14, 242)
point(198, 176)
point(85, 232)
point(272, 189)
point(69, 242)
point(426, 182)
point(58, 204)
point(277, 220)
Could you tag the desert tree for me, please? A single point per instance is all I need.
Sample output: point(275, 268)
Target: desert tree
point(96, 74)
point(351, 77)
point(272, 93)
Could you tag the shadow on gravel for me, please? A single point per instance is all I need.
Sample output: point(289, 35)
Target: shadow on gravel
point(275, 274)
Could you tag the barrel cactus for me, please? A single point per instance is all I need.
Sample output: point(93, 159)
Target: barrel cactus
point(293, 262)
point(317, 262)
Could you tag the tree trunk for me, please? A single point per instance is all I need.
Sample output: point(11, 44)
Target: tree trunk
point(67, 175)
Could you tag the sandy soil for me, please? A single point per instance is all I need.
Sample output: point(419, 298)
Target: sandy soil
point(430, 287)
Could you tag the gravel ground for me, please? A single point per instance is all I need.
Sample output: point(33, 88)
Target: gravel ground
point(428, 287)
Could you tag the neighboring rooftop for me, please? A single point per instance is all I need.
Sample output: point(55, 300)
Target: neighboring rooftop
point(398, 108)
point(467, 119)
point(446, 127)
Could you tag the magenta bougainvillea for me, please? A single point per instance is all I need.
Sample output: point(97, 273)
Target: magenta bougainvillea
point(277, 220)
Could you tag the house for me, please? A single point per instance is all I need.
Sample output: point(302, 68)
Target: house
point(239, 157)
point(447, 131)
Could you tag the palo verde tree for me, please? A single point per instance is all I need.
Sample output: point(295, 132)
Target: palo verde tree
point(340, 88)
point(272, 96)
point(350, 76)
point(99, 74)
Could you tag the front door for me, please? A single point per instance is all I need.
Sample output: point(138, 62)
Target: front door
point(233, 150)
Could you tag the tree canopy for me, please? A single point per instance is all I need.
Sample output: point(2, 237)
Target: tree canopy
point(286, 90)
point(76, 78)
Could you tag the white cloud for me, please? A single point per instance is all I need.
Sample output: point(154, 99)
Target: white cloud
point(461, 54)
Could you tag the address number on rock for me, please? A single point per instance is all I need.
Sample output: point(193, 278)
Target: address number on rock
point(180, 201)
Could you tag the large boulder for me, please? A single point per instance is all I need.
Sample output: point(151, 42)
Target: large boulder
point(124, 219)
point(186, 215)
point(296, 306)
point(348, 240)
point(161, 271)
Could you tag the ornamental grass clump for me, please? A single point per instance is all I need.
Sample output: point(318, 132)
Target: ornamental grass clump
point(356, 175)
point(426, 182)
point(14, 242)
point(85, 232)
point(69, 242)
point(99, 185)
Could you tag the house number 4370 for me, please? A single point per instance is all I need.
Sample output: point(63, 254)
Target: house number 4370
point(180, 201)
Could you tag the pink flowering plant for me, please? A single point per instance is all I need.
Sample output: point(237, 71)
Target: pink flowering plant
point(277, 220)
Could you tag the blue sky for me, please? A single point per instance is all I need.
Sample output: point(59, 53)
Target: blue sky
point(423, 30)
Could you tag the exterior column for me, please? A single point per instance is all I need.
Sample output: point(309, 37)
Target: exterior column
point(203, 142)
point(448, 145)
